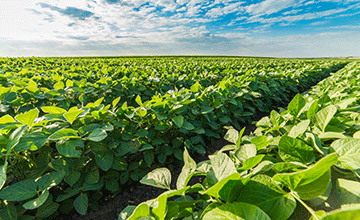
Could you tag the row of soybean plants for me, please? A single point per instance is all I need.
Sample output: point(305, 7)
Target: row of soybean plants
point(57, 148)
point(304, 157)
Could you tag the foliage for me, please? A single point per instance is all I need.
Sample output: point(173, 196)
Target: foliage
point(304, 155)
point(69, 127)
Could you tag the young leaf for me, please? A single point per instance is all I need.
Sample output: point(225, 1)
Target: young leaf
point(160, 210)
point(160, 178)
point(187, 171)
point(312, 182)
point(232, 136)
point(236, 211)
point(299, 129)
point(29, 117)
point(115, 101)
point(81, 203)
point(138, 101)
point(127, 212)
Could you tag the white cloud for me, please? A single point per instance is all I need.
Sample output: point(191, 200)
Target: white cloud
point(270, 6)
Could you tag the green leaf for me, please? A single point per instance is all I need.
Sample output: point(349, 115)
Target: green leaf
point(160, 178)
point(15, 137)
point(214, 190)
point(81, 203)
point(31, 141)
point(260, 142)
point(252, 162)
point(188, 126)
point(63, 134)
point(97, 135)
point(53, 110)
point(342, 214)
point(245, 151)
point(19, 191)
point(36, 203)
point(160, 210)
point(140, 212)
point(149, 157)
point(8, 212)
point(312, 110)
point(312, 182)
point(92, 176)
point(115, 101)
point(48, 208)
point(187, 170)
point(59, 85)
point(50, 180)
point(348, 150)
point(291, 149)
point(104, 160)
point(178, 121)
point(232, 136)
point(347, 192)
point(68, 148)
point(138, 101)
point(71, 116)
point(7, 119)
point(3, 176)
point(296, 105)
point(299, 129)
point(263, 192)
point(236, 211)
point(323, 117)
point(29, 117)
point(222, 165)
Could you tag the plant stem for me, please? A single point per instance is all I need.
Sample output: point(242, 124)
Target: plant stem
point(312, 212)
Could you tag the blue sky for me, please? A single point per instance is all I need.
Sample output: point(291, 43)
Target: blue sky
point(279, 28)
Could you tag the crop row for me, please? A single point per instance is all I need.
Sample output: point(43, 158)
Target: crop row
point(306, 155)
point(60, 138)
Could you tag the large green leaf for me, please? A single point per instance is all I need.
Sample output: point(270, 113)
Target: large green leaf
point(291, 149)
point(126, 213)
point(222, 166)
point(142, 211)
point(347, 192)
point(15, 137)
point(296, 105)
point(160, 178)
point(97, 135)
point(19, 191)
point(214, 190)
point(68, 148)
point(348, 150)
point(263, 192)
point(31, 141)
point(323, 117)
point(187, 170)
point(63, 134)
point(81, 203)
point(299, 129)
point(342, 214)
point(236, 211)
point(50, 180)
point(312, 182)
point(48, 208)
point(29, 117)
point(104, 160)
